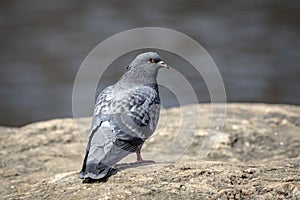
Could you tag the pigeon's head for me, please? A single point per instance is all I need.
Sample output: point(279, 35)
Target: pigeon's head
point(151, 58)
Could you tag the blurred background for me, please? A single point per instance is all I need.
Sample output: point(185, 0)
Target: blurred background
point(255, 45)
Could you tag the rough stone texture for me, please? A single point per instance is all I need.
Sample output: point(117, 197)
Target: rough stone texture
point(257, 157)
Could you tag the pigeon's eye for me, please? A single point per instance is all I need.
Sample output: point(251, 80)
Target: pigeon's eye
point(150, 60)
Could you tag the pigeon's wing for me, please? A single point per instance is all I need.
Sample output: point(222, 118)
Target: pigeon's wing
point(138, 112)
point(123, 120)
point(134, 110)
point(102, 104)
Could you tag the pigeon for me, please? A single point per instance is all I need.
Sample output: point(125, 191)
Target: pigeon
point(125, 115)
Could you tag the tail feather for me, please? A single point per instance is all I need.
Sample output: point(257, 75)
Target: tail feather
point(100, 168)
point(95, 171)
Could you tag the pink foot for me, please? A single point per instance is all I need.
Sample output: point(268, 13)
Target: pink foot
point(140, 160)
point(144, 161)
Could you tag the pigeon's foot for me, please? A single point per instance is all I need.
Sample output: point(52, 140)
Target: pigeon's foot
point(144, 161)
point(140, 160)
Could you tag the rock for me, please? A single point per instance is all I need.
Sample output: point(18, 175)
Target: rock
point(257, 158)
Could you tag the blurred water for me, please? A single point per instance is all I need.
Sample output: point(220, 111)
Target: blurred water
point(255, 44)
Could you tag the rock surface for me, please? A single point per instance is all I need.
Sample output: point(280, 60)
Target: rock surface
point(257, 157)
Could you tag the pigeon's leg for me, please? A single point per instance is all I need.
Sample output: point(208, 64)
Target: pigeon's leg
point(139, 158)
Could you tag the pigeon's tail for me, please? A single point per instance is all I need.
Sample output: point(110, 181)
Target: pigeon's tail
point(94, 168)
point(95, 171)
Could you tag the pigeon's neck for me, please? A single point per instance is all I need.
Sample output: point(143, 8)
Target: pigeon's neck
point(142, 77)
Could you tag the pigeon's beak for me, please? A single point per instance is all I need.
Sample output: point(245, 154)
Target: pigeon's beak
point(163, 64)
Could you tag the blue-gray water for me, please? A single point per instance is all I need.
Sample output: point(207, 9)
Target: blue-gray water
point(255, 44)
